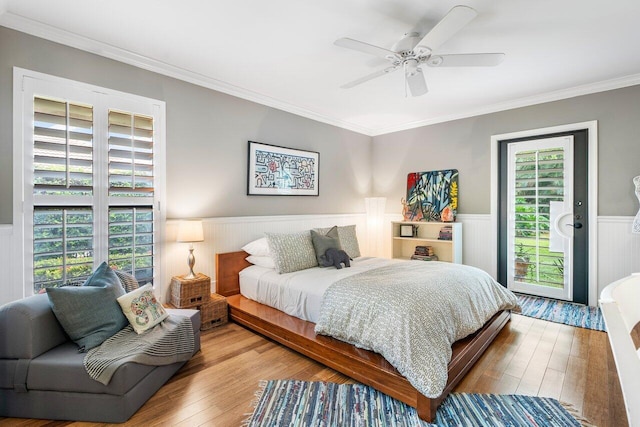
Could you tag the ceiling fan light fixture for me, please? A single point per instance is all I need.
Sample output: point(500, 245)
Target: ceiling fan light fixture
point(411, 67)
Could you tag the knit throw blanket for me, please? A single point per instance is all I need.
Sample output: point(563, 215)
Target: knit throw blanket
point(168, 342)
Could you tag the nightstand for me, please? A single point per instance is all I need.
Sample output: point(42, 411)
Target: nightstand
point(189, 293)
point(196, 294)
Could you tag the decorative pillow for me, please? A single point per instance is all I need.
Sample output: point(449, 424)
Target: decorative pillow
point(142, 308)
point(127, 280)
point(258, 247)
point(292, 252)
point(262, 261)
point(348, 239)
point(322, 242)
point(90, 314)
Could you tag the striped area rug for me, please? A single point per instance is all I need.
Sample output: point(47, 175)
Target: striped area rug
point(562, 312)
point(290, 403)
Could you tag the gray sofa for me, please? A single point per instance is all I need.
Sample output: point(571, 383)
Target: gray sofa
point(42, 373)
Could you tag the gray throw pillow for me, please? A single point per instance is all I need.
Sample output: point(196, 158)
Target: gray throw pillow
point(292, 252)
point(90, 313)
point(348, 239)
point(127, 280)
point(322, 242)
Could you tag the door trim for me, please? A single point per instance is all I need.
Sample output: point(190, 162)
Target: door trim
point(592, 128)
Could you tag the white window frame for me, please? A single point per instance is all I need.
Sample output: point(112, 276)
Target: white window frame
point(26, 85)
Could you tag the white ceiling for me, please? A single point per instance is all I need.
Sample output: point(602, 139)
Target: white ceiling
point(281, 52)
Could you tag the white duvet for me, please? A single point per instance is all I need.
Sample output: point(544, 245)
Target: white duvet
point(300, 293)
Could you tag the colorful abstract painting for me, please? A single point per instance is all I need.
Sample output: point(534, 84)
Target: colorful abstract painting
point(432, 196)
point(282, 171)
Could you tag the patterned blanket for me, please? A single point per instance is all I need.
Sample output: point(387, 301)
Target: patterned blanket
point(168, 342)
point(411, 313)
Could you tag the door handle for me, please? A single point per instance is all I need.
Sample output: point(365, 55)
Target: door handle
point(576, 225)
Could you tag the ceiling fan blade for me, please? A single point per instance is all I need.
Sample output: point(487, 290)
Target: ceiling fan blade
point(366, 48)
point(368, 77)
point(466, 60)
point(416, 82)
point(458, 17)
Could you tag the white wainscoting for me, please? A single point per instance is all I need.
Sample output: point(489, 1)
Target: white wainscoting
point(9, 289)
point(618, 249)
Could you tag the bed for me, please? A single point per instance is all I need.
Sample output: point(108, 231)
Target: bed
point(362, 365)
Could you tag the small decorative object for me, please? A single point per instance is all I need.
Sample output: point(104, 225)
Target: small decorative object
point(280, 171)
point(190, 232)
point(335, 257)
point(636, 220)
point(432, 196)
point(407, 230)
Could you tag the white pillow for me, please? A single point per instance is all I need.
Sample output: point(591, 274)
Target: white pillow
point(262, 261)
point(258, 247)
point(142, 308)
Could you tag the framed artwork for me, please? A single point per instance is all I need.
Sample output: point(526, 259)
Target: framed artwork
point(280, 171)
point(407, 231)
point(432, 196)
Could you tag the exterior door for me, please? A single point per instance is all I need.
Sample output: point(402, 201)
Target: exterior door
point(540, 223)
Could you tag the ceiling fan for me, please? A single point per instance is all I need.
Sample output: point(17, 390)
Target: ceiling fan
point(416, 49)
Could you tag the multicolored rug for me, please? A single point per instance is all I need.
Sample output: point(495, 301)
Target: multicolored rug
point(562, 312)
point(289, 403)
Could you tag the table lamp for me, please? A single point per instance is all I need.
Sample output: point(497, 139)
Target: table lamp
point(188, 232)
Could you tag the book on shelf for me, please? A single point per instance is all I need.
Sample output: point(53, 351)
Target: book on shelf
point(424, 257)
point(424, 250)
point(446, 233)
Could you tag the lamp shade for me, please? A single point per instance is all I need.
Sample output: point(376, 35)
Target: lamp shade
point(190, 231)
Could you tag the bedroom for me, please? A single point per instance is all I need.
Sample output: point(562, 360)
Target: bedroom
point(207, 132)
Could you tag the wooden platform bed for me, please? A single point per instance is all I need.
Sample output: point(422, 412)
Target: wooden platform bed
point(364, 366)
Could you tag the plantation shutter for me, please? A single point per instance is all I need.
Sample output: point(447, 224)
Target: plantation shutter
point(62, 245)
point(539, 180)
point(63, 148)
point(131, 190)
point(88, 183)
point(130, 155)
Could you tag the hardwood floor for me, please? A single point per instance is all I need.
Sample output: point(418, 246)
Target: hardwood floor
point(529, 356)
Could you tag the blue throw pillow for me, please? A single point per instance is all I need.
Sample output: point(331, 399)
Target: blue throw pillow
point(90, 313)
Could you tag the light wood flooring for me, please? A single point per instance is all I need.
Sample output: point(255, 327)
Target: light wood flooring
point(529, 356)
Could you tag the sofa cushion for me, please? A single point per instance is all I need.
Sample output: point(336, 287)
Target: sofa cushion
point(90, 314)
point(28, 328)
point(62, 369)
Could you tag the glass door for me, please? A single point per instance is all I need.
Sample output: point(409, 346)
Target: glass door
point(540, 217)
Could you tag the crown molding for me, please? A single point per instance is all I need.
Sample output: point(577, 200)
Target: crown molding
point(557, 95)
point(57, 35)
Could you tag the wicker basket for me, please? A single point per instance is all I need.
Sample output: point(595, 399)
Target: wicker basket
point(190, 293)
point(214, 313)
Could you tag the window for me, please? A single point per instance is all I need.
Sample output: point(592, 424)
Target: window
point(91, 158)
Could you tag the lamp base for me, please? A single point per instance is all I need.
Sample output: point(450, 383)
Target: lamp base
point(191, 260)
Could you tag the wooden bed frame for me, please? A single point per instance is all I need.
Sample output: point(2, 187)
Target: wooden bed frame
point(364, 366)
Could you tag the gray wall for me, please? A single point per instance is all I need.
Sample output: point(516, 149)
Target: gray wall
point(207, 134)
point(465, 145)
